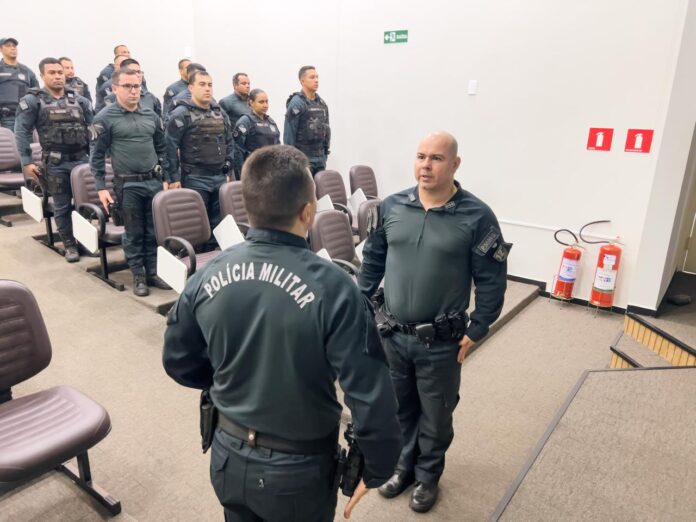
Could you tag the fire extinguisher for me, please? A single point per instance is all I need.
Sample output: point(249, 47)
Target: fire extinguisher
point(608, 261)
point(568, 270)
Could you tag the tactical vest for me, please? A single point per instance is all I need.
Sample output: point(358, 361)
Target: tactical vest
point(14, 83)
point(61, 123)
point(313, 126)
point(265, 132)
point(76, 85)
point(204, 143)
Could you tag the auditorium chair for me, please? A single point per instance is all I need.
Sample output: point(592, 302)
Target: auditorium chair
point(11, 177)
point(331, 231)
point(367, 214)
point(232, 203)
point(362, 176)
point(42, 431)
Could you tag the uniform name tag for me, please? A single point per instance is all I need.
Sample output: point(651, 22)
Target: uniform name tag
point(487, 242)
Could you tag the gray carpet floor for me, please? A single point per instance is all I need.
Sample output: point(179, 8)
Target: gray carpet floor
point(108, 344)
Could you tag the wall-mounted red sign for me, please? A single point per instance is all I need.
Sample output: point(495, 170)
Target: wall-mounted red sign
point(639, 140)
point(599, 138)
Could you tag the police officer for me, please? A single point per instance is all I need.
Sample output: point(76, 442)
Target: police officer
point(106, 72)
point(430, 241)
point(175, 88)
point(73, 82)
point(254, 130)
point(199, 136)
point(237, 103)
point(15, 80)
point(61, 117)
point(135, 138)
point(147, 99)
point(307, 120)
point(104, 89)
point(267, 327)
point(186, 93)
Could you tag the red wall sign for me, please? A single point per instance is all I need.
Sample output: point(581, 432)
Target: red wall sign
point(639, 140)
point(599, 138)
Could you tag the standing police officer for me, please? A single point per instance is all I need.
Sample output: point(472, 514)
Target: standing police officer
point(73, 82)
point(106, 72)
point(61, 117)
point(15, 80)
point(199, 136)
point(254, 130)
point(307, 120)
point(267, 327)
point(237, 103)
point(147, 99)
point(429, 242)
point(186, 93)
point(135, 138)
point(175, 88)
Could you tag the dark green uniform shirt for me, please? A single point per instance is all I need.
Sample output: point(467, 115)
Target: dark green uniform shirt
point(136, 141)
point(428, 259)
point(268, 326)
point(235, 107)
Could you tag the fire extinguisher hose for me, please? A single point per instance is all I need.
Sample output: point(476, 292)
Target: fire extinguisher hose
point(555, 236)
point(594, 223)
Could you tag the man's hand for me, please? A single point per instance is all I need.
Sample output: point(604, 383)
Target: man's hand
point(359, 493)
point(464, 346)
point(105, 199)
point(32, 170)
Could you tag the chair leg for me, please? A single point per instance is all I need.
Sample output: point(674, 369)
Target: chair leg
point(103, 271)
point(5, 222)
point(82, 476)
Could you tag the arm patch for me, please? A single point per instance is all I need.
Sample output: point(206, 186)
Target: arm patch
point(502, 251)
point(95, 130)
point(23, 105)
point(488, 241)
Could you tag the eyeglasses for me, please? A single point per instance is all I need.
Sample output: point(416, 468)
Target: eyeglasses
point(129, 86)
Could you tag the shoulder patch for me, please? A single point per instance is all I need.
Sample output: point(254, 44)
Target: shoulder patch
point(296, 110)
point(502, 251)
point(95, 130)
point(488, 240)
point(178, 122)
point(170, 92)
point(23, 105)
point(242, 129)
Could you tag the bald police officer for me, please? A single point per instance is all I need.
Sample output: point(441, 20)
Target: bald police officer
point(175, 88)
point(267, 327)
point(15, 81)
point(106, 72)
point(430, 241)
point(307, 120)
point(61, 117)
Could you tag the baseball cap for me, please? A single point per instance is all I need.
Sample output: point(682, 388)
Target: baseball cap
point(3, 41)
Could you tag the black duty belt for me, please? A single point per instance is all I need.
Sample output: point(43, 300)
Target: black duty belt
point(445, 327)
point(263, 440)
point(65, 156)
point(138, 176)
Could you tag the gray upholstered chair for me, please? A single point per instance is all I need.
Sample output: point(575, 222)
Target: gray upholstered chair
point(331, 230)
point(362, 176)
point(232, 203)
point(367, 214)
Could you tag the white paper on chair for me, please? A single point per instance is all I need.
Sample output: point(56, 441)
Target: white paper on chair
point(359, 250)
point(356, 199)
point(171, 269)
point(85, 232)
point(32, 204)
point(227, 233)
point(324, 253)
point(325, 203)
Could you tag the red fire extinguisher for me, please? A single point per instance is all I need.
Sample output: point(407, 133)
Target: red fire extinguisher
point(568, 270)
point(607, 270)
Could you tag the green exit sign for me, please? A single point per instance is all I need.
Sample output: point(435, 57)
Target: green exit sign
point(393, 37)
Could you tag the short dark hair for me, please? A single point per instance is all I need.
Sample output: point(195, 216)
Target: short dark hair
point(181, 62)
point(64, 59)
point(192, 77)
point(123, 71)
point(116, 49)
point(276, 185)
point(193, 67)
point(235, 78)
point(48, 61)
point(129, 61)
point(254, 93)
point(304, 69)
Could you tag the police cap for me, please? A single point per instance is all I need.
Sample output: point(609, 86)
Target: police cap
point(3, 41)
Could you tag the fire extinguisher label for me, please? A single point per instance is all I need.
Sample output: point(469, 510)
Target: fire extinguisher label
point(609, 261)
point(605, 280)
point(569, 271)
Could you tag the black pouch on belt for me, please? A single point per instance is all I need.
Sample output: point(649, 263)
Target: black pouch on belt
point(209, 416)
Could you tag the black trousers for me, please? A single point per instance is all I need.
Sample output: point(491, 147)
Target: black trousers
point(259, 484)
point(426, 384)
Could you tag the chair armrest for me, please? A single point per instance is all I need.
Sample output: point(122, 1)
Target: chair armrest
point(348, 267)
point(371, 197)
point(90, 210)
point(180, 243)
point(343, 208)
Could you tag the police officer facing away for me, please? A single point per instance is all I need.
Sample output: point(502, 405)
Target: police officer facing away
point(73, 82)
point(237, 103)
point(147, 99)
point(135, 137)
point(307, 120)
point(199, 136)
point(61, 117)
point(430, 241)
point(15, 80)
point(267, 327)
point(106, 72)
point(175, 88)
point(254, 130)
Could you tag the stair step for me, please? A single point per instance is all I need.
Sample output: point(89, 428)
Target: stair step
point(673, 350)
point(635, 354)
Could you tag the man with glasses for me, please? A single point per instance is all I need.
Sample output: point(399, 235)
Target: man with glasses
point(147, 99)
point(135, 138)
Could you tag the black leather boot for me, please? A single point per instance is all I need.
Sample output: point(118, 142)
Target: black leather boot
point(423, 497)
point(140, 285)
point(396, 485)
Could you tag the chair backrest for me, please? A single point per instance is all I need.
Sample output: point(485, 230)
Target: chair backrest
point(25, 348)
point(331, 182)
point(9, 155)
point(84, 186)
point(232, 202)
point(331, 230)
point(180, 212)
point(366, 212)
point(362, 176)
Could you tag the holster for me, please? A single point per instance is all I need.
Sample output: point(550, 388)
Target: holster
point(116, 208)
point(351, 463)
point(209, 417)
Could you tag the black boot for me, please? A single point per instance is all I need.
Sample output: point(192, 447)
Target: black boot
point(71, 253)
point(423, 497)
point(396, 485)
point(140, 285)
point(157, 282)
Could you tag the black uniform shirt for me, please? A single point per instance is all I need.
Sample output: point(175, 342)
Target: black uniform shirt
point(268, 326)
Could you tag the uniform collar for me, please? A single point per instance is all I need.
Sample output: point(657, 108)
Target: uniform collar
point(123, 110)
point(268, 235)
point(450, 206)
